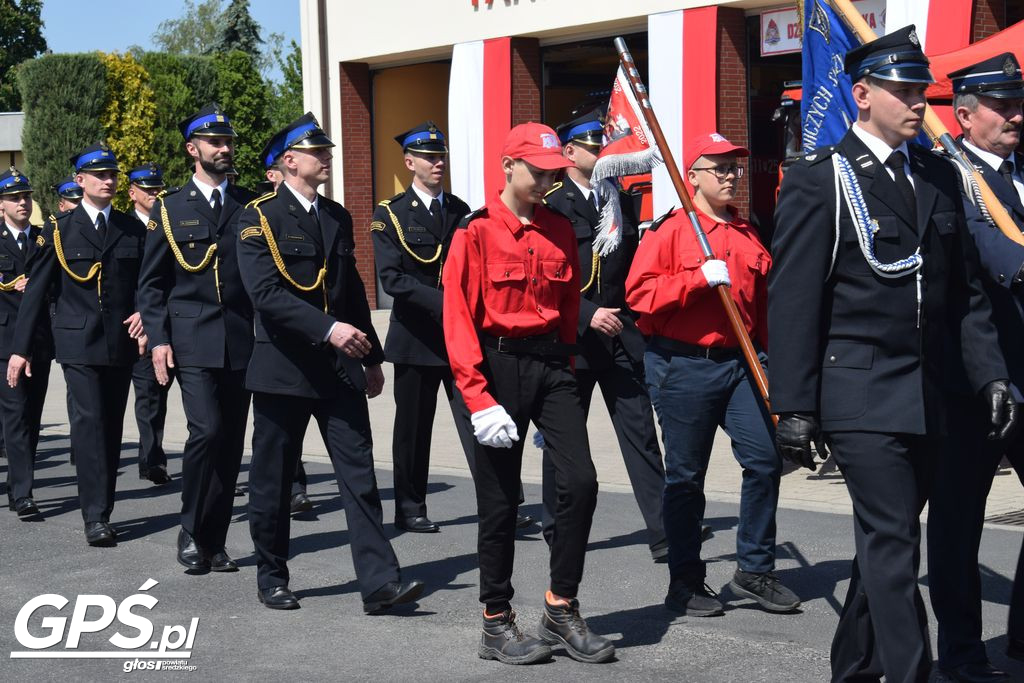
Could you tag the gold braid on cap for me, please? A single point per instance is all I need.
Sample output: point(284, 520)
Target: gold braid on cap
point(94, 269)
point(178, 256)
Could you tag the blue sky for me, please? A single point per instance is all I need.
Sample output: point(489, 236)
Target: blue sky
point(116, 25)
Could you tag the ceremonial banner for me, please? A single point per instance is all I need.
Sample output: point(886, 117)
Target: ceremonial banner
point(479, 117)
point(826, 107)
point(682, 49)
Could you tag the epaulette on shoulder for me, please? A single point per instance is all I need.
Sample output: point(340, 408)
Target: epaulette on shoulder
point(385, 202)
point(473, 215)
point(656, 223)
point(61, 214)
point(818, 155)
point(554, 188)
point(259, 200)
point(167, 191)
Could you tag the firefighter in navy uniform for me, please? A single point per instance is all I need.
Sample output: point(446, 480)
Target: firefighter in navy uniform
point(144, 183)
point(987, 100)
point(860, 327)
point(69, 195)
point(21, 406)
point(90, 257)
point(611, 348)
point(411, 234)
point(316, 355)
point(193, 301)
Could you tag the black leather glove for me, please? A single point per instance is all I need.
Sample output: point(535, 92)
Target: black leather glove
point(794, 437)
point(1002, 409)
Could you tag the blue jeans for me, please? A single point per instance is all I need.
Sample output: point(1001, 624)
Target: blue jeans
point(692, 397)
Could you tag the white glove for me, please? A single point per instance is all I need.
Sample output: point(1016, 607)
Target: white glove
point(538, 439)
point(716, 273)
point(494, 427)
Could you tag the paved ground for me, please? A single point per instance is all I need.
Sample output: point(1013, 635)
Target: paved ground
point(237, 639)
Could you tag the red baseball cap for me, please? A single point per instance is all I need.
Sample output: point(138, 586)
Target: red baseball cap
point(537, 145)
point(710, 143)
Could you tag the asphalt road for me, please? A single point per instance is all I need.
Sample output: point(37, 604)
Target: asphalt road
point(329, 637)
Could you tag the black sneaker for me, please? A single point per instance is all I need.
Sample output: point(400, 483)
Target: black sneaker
point(502, 640)
point(694, 600)
point(765, 589)
point(563, 625)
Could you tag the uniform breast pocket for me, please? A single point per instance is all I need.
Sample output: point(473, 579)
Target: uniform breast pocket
point(127, 253)
point(192, 238)
point(506, 282)
point(945, 222)
point(556, 276)
point(80, 259)
point(184, 317)
point(298, 250)
point(845, 376)
point(6, 265)
point(420, 237)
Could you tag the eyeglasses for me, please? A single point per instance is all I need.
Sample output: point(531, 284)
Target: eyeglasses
point(722, 171)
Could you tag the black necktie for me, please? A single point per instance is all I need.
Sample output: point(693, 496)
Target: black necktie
point(215, 203)
point(101, 227)
point(896, 162)
point(21, 241)
point(1006, 170)
point(435, 213)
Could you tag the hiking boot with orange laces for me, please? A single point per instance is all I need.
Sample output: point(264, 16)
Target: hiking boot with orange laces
point(563, 625)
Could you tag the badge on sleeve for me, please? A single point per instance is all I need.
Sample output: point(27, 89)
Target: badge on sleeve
point(376, 225)
point(251, 232)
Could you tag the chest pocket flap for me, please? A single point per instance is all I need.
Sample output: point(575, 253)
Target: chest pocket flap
point(191, 233)
point(79, 253)
point(842, 354)
point(6, 263)
point(127, 252)
point(297, 248)
point(555, 269)
point(416, 238)
point(506, 272)
point(945, 222)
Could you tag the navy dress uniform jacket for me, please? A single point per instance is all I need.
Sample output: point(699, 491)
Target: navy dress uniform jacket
point(844, 342)
point(206, 317)
point(415, 336)
point(88, 327)
point(290, 355)
point(1001, 259)
point(15, 262)
point(608, 288)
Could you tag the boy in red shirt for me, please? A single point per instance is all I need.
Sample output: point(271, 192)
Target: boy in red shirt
point(511, 303)
point(698, 378)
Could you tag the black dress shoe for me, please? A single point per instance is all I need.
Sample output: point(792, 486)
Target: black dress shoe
point(278, 597)
point(392, 593)
point(190, 555)
point(419, 525)
point(975, 672)
point(524, 521)
point(220, 561)
point(26, 507)
point(301, 503)
point(99, 534)
point(156, 474)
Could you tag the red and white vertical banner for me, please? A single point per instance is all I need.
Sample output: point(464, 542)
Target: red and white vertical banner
point(683, 63)
point(479, 117)
point(942, 25)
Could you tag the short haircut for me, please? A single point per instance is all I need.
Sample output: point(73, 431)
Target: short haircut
point(969, 100)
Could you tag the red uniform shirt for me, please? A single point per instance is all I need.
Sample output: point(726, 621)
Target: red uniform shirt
point(507, 279)
point(667, 288)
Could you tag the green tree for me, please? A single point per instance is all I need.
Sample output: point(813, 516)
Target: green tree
point(243, 95)
point(128, 117)
point(64, 98)
point(21, 38)
point(194, 32)
point(238, 31)
point(286, 104)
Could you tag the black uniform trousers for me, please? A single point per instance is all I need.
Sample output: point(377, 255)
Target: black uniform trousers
point(216, 405)
point(98, 397)
point(150, 413)
point(279, 424)
point(956, 515)
point(629, 406)
point(883, 627)
point(542, 390)
point(21, 409)
point(415, 404)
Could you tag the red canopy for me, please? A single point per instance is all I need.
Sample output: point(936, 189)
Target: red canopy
point(1010, 39)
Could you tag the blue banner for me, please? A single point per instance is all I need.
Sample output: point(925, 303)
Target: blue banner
point(826, 106)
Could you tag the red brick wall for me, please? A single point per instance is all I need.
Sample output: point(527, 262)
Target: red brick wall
point(732, 88)
point(526, 80)
point(989, 18)
point(357, 168)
